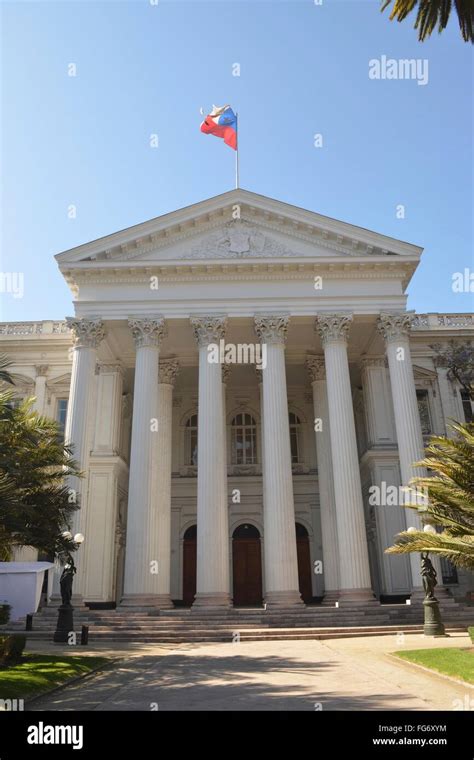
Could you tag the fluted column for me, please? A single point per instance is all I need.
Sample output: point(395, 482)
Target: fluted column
point(395, 328)
point(40, 388)
point(142, 560)
point(226, 370)
point(167, 373)
point(87, 334)
point(281, 564)
point(446, 392)
point(354, 572)
point(212, 580)
point(327, 501)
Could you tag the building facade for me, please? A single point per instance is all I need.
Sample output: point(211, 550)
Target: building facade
point(245, 392)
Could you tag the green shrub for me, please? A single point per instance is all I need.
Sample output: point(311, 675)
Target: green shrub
point(4, 613)
point(471, 633)
point(11, 648)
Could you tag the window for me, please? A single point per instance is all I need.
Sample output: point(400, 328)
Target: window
point(191, 441)
point(424, 411)
point(244, 439)
point(61, 413)
point(295, 428)
point(467, 406)
point(448, 571)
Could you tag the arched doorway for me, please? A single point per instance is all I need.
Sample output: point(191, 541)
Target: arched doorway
point(304, 563)
point(247, 566)
point(189, 565)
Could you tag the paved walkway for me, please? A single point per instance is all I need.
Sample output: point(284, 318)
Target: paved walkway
point(339, 674)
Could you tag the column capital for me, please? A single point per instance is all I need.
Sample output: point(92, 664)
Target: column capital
point(333, 328)
point(87, 332)
point(41, 370)
point(271, 328)
point(168, 370)
point(147, 331)
point(394, 325)
point(373, 361)
point(316, 368)
point(106, 367)
point(209, 329)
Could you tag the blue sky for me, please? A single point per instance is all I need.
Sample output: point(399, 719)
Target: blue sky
point(145, 69)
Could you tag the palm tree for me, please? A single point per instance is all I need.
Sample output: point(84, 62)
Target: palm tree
point(5, 375)
point(450, 503)
point(434, 13)
point(36, 504)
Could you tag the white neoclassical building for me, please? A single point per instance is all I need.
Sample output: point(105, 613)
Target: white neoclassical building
point(213, 483)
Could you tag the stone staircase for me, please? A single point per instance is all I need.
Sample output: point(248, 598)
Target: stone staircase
point(182, 625)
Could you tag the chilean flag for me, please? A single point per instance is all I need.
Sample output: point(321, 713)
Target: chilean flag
point(221, 122)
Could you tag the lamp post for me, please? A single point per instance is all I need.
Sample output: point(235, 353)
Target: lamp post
point(65, 621)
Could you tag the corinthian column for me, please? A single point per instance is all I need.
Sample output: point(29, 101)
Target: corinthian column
point(395, 329)
point(143, 564)
point(354, 570)
point(87, 334)
point(317, 373)
point(40, 388)
point(281, 564)
point(212, 579)
point(167, 373)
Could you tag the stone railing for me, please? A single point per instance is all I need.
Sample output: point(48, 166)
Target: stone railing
point(46, 327)
point(442, 321)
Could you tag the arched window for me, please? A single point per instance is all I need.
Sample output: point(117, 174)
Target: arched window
point(191, 440)
point(295, 435)
point(244, 439)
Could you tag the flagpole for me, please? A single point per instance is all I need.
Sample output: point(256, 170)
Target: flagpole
point(237, 153)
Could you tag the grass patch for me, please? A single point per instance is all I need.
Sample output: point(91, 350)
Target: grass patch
point(37, 673)
point(458, 663)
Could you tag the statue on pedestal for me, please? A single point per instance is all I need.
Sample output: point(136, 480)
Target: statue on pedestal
point(429, 576)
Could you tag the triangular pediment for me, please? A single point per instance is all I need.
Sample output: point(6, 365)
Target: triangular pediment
point(236, 225)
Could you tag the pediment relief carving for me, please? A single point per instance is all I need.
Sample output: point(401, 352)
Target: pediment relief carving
point(239, 238)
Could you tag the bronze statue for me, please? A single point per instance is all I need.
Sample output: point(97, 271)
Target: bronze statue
point(429, 575)
point(65, 583)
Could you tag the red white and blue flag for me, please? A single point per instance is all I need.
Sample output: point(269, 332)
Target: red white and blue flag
point(221, 122)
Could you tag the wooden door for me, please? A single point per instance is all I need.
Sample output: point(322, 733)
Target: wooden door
point(189, 565)
point(304, 563)
point(247, 566)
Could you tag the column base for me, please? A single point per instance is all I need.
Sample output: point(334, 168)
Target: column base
point(219, 599)
point(155, 601)
point(356, 596)
point(330, 598)
point(282, 599)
